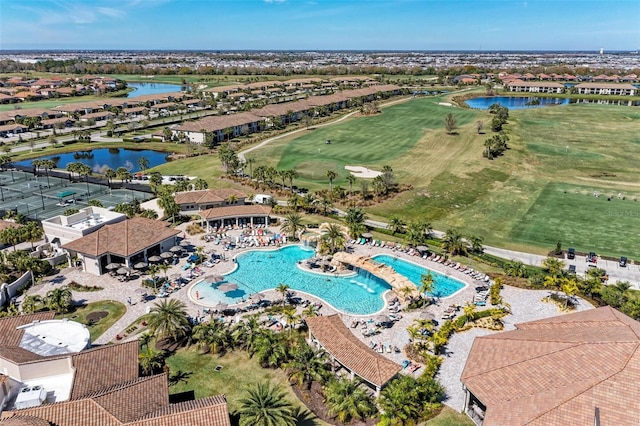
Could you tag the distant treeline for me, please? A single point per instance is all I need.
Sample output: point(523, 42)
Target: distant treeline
point(173, 67)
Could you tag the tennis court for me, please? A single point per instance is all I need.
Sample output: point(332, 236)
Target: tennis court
point(39, 197)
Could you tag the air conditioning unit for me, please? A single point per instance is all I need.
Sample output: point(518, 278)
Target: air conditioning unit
point(30, 396)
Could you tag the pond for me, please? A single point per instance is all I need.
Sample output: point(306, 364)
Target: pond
point(143, 89)
point(515, 102)
point(98, 159)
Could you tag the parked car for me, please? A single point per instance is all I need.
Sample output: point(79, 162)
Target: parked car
point(571, 253)
point(572, 269)
point(592, 257)
point(623, 262)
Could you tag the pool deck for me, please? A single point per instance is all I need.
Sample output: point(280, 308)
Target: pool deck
point(526, 305)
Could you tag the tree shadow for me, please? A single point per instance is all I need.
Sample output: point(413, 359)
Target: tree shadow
point(178, 377)
point(304, 417)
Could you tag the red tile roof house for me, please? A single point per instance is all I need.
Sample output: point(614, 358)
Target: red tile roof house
point(222, 126)
point(576, 369)
point(43, 384)
point(222, 207)
point(127, 242)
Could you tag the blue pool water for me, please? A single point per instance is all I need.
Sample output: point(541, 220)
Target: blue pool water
point(98, 158)
point(443, 286)
point(143, 89)
point(514, 102)
point(258, 270)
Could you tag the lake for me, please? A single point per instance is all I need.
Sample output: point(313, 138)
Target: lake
point(97, 159)
point(143, 89)
point(513, 102)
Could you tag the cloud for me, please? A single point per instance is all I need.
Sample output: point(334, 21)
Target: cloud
point(274, 1)
point(111, 12)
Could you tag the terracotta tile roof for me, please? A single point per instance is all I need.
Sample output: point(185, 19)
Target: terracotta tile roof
point(211, 411)
point(11, 127)
point(558, 370)
point(4, 224)
point(235, 211)
point(207, 196)
point(24, 421)
point(18, 355)
point(219, 122)
point(274, 110)
point(10, 335)
point(219, 89)
point(624, 86)
point(132, 400)
point(338, 340)
point(83, 412)
point(123, 238)
point(103, 367)
point(535, 84)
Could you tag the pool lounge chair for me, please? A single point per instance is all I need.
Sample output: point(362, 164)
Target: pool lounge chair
point(405, 363)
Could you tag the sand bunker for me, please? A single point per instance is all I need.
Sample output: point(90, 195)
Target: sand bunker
point(362, 172)
point(444, 104)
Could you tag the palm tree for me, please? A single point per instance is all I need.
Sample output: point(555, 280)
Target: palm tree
point(476, 244)
point(291, 175)
point(59, 299)
point(469, 311)
point(310, 311)
point(250, 162)
point(351, 179)
point(168, 319)
point(307, 365)
point(515, 268)
point(33, 232)
point(453, 243)
point(333, 238)
point(553, 266)
point(32, 303)
point(214, 336)
point(48, 165)
point(143, 162)
point(264, 405)
point(144, 340)
point(399, 401)
point(11, 235)
point(396, 225)
point(290, 315)
point(355, 221)
point(150, 360)
point(271, 349)
point(346, 400)
point(292, 225)
point(426, 283)
point(569, 287)
point(283, 289)
point(416, 232)
point(168, 204)
point(331, 175)
point(110, 174)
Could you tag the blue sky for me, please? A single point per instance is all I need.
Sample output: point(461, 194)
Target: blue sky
point(320, 24)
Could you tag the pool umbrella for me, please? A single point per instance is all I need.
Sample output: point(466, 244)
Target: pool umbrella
point(382, 318)
point(155, 259)
point(123, 271)
point(141, 291)
point(220, 306)
point(367, 235)
point(227, 287)
point(425, 315)
point(166, 255)
point(422, 248)
point(140, 265)
point(184, 243)
point(256, 297)
point(174, 277)
point(112, 266)
point(175, 249)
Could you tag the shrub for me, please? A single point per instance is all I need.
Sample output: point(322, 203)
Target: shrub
point(494, 292)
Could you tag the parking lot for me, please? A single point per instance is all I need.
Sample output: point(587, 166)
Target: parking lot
point(39, 197)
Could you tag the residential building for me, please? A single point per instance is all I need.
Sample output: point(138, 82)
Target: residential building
point(606, 89)
point(575, 369)
point(535, 86)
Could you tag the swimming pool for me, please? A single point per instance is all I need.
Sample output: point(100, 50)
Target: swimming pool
point(443, 286)
point(258, 270)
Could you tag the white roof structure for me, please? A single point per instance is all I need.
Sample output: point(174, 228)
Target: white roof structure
point(55, 337)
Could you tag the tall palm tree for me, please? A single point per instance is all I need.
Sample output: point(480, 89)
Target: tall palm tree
point(355, 221)
point(145, 339)
point(346, 400)
point(150, 360)
point(399, 401)
point(291, 175)
point(290, 316)
point(272, 349)
point(334, 238)
point(48, 165)
point(59, 299)
point(453, 243)
point(416, 232)
point(264, 405)
point(396, 225)
point(168, 319)
point(213, 335)
point(250, 162)
point(307, 365)
point(351, 179)
point(331, 175)
point(283, 289)
point(110, 174)
point(143, 163)
point(426, 283)
point(292, 225)
point(310, 311)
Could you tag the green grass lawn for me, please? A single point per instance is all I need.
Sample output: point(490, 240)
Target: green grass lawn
point(238, 371)
point(114, 309)
point(450, 417)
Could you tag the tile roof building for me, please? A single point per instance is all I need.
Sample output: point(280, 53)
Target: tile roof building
point(127, 242)
point(330, 333)
point(94, 387)
point(575, 369)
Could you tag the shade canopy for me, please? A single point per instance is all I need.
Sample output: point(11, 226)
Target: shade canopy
point(184, 243)
point(175, 249)
point(221, 306)
point(426, 315)
point(112, 266)
point(382, 318)
point(422, 248)
point(140, 265)
point(123, 271)
point(166, 255)
point(256, 297)
point(216, 278)
point(227, 287)
point(155, 259)
point(367, 235)
point(142, 291)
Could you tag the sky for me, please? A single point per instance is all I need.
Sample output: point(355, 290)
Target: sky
point(320, 24)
